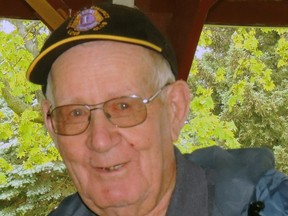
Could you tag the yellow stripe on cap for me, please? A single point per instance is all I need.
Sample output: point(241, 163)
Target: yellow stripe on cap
point(85, 37)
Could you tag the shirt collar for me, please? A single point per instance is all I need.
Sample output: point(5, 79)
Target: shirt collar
point(190, 196)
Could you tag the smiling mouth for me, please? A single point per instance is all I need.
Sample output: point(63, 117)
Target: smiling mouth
point(112, 168)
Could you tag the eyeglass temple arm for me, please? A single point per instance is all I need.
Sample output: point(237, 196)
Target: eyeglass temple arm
point(148, 100)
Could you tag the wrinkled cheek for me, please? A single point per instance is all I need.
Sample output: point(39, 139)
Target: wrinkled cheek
point(78, 173)
point(74, 163)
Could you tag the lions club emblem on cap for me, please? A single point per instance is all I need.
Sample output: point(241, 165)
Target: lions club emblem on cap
point(88, 19)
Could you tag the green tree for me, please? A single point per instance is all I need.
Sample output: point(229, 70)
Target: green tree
point(245, 69)
point(30, 171)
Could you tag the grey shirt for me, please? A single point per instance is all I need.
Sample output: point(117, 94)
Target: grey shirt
point(193, 194)
point(190, 196)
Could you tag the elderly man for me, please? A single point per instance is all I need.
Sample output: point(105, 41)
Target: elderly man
point(114, 109)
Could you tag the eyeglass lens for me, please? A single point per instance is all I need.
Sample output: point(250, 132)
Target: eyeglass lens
point(122, 112)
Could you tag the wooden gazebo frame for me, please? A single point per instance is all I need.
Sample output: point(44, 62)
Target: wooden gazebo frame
point(181, 20)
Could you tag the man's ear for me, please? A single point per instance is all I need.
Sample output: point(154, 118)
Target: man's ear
point(45, 105)
point(178, 98)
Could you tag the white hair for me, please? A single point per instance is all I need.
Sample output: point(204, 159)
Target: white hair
point(162, 73)
point(49, 91)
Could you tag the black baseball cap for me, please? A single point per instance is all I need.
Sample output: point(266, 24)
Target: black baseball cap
point(102, 22)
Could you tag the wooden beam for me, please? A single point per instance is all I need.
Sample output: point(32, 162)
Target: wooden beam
point(182, 22)
point(185, 30)
point(17, 10)
point(249, 13)
point(48, 14)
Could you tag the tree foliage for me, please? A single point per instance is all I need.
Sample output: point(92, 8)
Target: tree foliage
point(30, 172)
point(245, 70)
point(239, 86)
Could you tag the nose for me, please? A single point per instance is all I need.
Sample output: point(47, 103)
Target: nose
point(102, 135)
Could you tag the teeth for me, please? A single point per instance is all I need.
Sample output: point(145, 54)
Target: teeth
point(113, 168)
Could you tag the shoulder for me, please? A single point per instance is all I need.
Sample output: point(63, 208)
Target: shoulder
point(240, 176)
point(272, 190)
point(72, 206)
point(247, 163)
point(215, 157)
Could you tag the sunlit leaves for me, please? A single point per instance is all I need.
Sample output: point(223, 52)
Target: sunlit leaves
point(25, 146)
point(5, 131)
point(220, 74)
point(237, 91)
point(246, 40)
point(4, 168)
point(246, 69)
point(35, 149)
point(251, 64)
point(282, 52)
point(205, 128)
point(205, 39)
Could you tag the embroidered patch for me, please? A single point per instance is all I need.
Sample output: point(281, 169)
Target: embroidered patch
point(85, 20)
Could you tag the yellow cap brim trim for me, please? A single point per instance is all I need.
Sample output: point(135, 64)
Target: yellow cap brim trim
point(85, 37)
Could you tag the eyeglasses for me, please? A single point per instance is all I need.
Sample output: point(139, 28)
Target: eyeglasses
point(123, 112)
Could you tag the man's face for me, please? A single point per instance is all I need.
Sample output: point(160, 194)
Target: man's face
point(113, 167)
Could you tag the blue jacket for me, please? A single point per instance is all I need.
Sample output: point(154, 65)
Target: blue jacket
point(245, 181)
